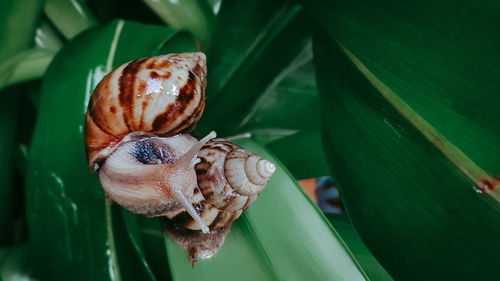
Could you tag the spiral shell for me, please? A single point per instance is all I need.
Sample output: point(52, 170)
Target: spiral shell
point(162, 95)
point(229, 179)
point(243, 178)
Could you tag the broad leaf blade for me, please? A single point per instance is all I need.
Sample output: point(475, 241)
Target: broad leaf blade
point(282, 236)
point(47, 38)
point(19, 263)
point(129, 252)
point(18, 21)
point(441, 60)
point(265, 38)
point(70, 222)
point(247, 24)
point(130, 10)
point(411, 203)
point(289, 105)
point(195, 16)
point(302, 153)
point(24, 66)
point(369, 264)
point(9, 125)
point(69, 17)
point(133, 231)
point(152, 237)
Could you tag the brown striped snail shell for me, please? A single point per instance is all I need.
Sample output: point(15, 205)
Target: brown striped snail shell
point(162, 95)
point(229, 179)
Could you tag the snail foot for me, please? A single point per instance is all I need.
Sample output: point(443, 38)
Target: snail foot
point(197, 244)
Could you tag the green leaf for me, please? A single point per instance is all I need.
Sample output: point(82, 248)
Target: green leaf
point(69, 17)
point(9, 126)
point(129, 251)
point(70, 222)
point(282, 236)
point(47, 38)
point(133, 231)
point(288, 107)
point(369, 264)
point(215, 4)
point(31, 63)
point(302, 154)
point(19, 264)
point(443, 76)
point(265, 38)
point(18, 21)
point(21, 155)
point(408, 133)
point(130, 10)
point(193, 15)
point(179, 43)
point(24, 66)
point(154, 246)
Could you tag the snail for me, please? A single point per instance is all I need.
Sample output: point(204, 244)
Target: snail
point(136, 136)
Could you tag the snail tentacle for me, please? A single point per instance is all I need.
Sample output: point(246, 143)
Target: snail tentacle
point(179, 179)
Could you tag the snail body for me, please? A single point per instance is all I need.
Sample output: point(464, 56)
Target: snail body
point(154, 176)
point(136, 138)
point(138, 176)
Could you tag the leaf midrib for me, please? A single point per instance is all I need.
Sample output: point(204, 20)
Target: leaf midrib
point(471, 170)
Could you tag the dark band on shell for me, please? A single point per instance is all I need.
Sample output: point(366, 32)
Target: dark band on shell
point(162, 95)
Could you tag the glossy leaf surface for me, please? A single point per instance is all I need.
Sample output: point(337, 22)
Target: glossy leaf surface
point(289, 105)
point(152, 237)
point(372, 268)
point(24, 66)
point(282, 236)
point(46, 37)
point(18, 264)
point(195, 16)
point(70, 17)
point(70, 222)
point(302, 154)
point(397, 117)
point(441, 60)
point(130, 10)
point(133, 231)
point(130, 257)
point(265, 38)
point(18, 21)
